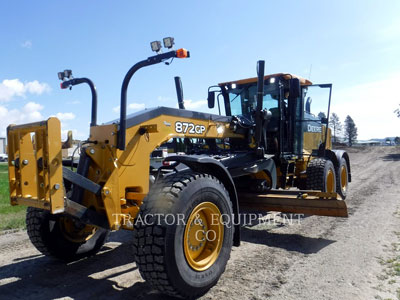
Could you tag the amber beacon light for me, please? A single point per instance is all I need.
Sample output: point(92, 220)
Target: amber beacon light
point(182, 53)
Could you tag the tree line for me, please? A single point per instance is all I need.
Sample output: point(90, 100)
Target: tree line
point(349, 131)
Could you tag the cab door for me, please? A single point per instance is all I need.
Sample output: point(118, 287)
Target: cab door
point(313, 117)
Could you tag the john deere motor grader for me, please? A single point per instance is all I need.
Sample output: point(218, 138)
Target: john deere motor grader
point(268, 152)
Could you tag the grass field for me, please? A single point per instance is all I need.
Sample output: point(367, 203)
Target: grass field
point(11, 217)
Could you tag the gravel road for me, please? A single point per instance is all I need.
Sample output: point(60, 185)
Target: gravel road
point(310, 258)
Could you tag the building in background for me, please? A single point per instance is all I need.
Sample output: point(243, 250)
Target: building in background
point(73, 151)
point(3, 148)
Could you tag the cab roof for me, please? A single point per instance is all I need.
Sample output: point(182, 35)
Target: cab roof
point(303, 81)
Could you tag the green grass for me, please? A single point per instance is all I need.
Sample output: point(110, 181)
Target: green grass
point(11, 217)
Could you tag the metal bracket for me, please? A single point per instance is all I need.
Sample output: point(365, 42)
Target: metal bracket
point(84, 214)
point(81, 181)
point(149, 128)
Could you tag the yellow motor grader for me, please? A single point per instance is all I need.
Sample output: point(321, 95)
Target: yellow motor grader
point(267, 152)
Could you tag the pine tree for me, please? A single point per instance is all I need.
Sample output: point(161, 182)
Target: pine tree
point(350, 131)
point(336, 126)
point(321, 115)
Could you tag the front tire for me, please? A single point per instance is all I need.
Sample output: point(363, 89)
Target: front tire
point(61, 236)
point(321, 175)
point(179, 258)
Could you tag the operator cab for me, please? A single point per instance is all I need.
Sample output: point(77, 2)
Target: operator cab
point(290, 117)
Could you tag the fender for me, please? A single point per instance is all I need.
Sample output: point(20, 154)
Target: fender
point(205, 164)
point(336, 155)
point(252, 167)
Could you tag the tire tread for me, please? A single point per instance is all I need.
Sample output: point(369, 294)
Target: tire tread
point(149, 239)
point(315, 174)
point(34, 220)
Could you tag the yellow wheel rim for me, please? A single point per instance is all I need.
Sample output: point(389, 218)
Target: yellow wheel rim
point(75, 233)
point(330, 181)
point(203, 237)
point(343, 178)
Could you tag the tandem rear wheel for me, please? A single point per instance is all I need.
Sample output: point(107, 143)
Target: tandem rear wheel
point(342, 178)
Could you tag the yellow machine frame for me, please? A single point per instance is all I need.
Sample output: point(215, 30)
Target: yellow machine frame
point(123, 174)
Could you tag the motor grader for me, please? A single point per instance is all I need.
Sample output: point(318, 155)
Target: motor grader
point(267, 152)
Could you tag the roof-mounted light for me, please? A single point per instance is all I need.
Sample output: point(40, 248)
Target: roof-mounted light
point(168, 42)
point(156, 46)
point(65, 74)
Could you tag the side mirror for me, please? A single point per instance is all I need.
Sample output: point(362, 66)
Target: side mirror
point(308, 105)
point(211, 99)
point(294, 88)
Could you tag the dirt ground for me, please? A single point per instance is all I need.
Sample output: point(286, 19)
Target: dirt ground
point(312, 258)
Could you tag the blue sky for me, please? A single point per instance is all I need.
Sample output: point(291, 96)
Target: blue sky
point(353, 44)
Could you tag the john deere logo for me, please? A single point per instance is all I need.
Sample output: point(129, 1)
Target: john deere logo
point(311, 128)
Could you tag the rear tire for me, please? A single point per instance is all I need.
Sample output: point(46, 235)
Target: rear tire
point(167, 255)
point(342, 178)
point(321, 175)
point(49, 235)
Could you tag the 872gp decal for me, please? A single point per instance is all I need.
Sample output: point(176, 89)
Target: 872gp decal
point(184, 127)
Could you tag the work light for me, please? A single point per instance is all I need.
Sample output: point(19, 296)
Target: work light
point(155, 46)
point(168, 42)
point(65, 74)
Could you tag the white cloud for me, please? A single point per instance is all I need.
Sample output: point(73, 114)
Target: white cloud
point(35, 87)
point(30, 112)
point(190, 104)
point(74, 102)
point(27, 44)
point(32, 106)
point(131, 106)
point(10, 88)
point(371, 106)
point(136, 106)
point(163, 99)
point(65, 116)
point(76, 134)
